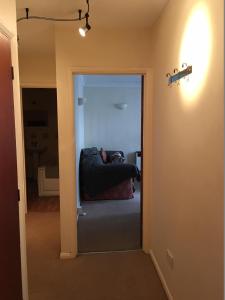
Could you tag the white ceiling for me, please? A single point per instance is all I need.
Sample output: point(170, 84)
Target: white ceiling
point(103, 13)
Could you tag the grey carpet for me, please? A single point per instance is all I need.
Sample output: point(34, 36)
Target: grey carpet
point(110, 225)
point(112, 276)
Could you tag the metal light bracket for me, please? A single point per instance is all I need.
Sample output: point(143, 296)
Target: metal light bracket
point(178, 75)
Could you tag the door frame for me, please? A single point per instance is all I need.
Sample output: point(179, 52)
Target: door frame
point(32, 86)
point(19, 154)
point(68, 206)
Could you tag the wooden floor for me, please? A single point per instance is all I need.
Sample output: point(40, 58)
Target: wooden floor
point(40, 204)
point(43, 204)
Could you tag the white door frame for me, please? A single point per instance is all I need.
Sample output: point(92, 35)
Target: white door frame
point(68, 206)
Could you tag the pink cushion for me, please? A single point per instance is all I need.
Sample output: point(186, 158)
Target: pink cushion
point(103, 155)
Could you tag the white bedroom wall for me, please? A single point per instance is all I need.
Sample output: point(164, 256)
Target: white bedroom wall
point(107, 126)
point(79, 126)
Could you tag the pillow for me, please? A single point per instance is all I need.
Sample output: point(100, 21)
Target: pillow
point(89, 151)
point(103, 155)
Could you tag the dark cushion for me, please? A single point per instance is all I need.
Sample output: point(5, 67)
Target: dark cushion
point(89, 151)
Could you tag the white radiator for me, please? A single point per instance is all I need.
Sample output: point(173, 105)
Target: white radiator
point(47, 186)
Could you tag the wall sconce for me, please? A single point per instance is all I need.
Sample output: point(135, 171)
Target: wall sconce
point(121, 106)
point(178, 75)
point(196, 47)
point(81, 101)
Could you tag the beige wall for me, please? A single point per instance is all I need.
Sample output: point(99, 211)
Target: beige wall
point(8, 22)
point(37, 70)
point(101, 49)
point(187, 210)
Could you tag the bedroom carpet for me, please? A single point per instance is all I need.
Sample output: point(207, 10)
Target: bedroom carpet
point(110, 225)
point(110, 276)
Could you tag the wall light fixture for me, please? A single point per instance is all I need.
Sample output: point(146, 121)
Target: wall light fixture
point(178, 75)
point(196, 48)
point(121, 106)
point(81, 101)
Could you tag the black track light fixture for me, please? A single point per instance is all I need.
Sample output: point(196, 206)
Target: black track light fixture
point(82, 16)
point(86, 28)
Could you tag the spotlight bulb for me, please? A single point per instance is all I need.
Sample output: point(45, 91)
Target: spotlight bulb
point(86, 28)
point(82, 31)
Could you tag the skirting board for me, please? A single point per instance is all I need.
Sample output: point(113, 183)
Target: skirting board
point(67, 255)
point(161, 276)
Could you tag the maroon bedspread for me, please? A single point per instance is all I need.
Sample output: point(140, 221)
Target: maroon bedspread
point(122, 191)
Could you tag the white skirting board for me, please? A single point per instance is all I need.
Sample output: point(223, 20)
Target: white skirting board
point(67, 255)
point(161, 276)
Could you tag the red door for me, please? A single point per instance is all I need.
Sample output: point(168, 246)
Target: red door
point(10, 267)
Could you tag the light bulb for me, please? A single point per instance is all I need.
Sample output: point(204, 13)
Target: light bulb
point(82, 31)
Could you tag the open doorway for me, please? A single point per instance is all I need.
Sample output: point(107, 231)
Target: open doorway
point(108, 124)
point(41, 149)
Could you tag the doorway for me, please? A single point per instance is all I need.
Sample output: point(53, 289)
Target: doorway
point(108, 124)
point(41, 149)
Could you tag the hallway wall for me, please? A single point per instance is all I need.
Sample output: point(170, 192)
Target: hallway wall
point(187, 210)
point(37, 70)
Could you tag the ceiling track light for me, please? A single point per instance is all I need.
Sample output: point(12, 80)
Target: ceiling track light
point(81, 16)
point(86, 28)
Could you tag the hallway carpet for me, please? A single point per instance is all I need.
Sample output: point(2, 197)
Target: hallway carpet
point(111, 276)
point(110, 225)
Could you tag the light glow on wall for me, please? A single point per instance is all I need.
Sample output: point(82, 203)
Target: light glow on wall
point(195, 50)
